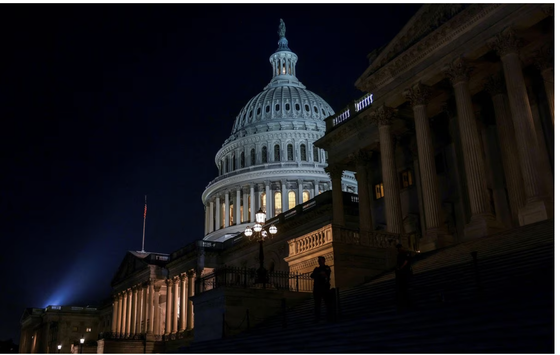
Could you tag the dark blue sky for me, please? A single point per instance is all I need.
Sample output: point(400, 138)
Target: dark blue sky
point(101, 104)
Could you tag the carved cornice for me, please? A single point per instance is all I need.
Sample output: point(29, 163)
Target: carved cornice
point(418, 94)
point(458, 71)
point(506, 42)
point(495, 85)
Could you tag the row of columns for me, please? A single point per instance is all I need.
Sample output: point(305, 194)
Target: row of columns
point(133, 310)
point(180, 311)
point(249, 196)
point(521, 152)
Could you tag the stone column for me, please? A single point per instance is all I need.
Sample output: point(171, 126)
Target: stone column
point(150, 304)
point(245, 216)
point(508, 147)
point(545, 63)
point(157, 312)
point(190, 293)
point(115, 314)
point(168, 311)
point(418, 97)
point(507, 44)
point(316, 190)
point(128, 312)
point(134, 310)
point(362, 159)
point(238, 206)
point(211, 223)
point(139, 309)
point(268, 199)
point(253, 205)
point(481, 215)
point(218, 221)
point(146, 308)
point(285, 204)
point(300, 192)
point(206, 219)
point(393, 211)
point(123, 314)
point(335, 172)
point(226, 209)
point(183, 308)
point(174, 305)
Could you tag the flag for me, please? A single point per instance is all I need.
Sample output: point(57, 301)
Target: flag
point(145, 205)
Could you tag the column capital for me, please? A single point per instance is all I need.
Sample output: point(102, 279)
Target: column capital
point(300, 181)
point(418, 94)
point(129, 291)
point(266, 183)
point(183, 276)
point(506, 42)
point(457, 71)
point(168, 282)
point(384, 115)
point(334, 171)
point(190, 273)
point(495, 85)
point(157, 288)
point(176, 280)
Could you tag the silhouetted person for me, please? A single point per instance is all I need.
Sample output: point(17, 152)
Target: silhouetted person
point(402, 277)
point(322, 277)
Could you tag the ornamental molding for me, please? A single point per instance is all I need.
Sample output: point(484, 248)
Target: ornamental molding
point(418, 94)
point(437, 39)
point(385, 115)
point(458, 71)
point(505, 42)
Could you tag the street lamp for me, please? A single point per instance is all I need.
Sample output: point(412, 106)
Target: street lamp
point(59, 347)
point(260, 234)
point(82, 340)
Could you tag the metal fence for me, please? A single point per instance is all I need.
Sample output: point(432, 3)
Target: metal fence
point(246, 278)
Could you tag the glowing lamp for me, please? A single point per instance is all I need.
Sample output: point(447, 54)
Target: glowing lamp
point(248, 232)
point(260, 216)
point(59, 346)
point(264, 234)
point(272, 230)
point(82, 340)
point(257, 227)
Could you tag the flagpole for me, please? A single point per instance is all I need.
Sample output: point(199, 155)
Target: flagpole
point(144, 229)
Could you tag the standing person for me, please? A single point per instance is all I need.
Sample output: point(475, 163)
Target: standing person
point(321, 286)
point(402, 277)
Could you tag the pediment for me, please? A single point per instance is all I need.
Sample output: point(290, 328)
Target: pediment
point(130, 265)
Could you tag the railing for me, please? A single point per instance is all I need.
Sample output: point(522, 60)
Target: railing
point(364, 102)
point(310, 241)
point(341, 117)
point(376, 239)
point(352, 109)
point(246, 278)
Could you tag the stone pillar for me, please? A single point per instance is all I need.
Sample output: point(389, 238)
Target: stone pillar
point(300, 192)
point(190, 293)
point(174, 305)
point(134, 310)
point(481, 215)
point(218, 221)
point(245, 216)
point(335, 172)
point(211, 223)
point(226, 209)
point(146, 307)
point(157, 312)
point(139, 309)
point(393, 211)
point(128, 312)
point(545, 63)
point(168, 311)
point(418, 97)
point(508, 147)
point(362, 159)
point(183, 308)
point(506, 44)
point(316, 190)
point(285, 204)
point(253, 205)
point(115, 314)
point(238, 206)
point(151, 308)
point(123, 314)
point(268, 199)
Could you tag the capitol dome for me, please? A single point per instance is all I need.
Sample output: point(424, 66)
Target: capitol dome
point(269, 161)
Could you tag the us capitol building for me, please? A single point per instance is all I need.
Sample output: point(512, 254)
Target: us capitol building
point(452, 141)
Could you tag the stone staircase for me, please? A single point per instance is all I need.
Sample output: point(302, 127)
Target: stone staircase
point(503, 302)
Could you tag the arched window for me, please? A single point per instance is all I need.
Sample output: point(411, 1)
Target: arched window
point(264, 155)
point(277, 152)
point(291, 199)
point(315, 154)
point(277, 203)
point(253, 157)
point(303, 152)
point(305, 196)
point(242, 158)
point(263, 201)
point(227, 164)
point(234, 166)
point(290, 152)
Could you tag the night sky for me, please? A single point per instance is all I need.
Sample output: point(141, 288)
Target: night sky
point(102, 104)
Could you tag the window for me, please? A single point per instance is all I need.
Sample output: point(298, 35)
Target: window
point(379, 192)
point(324, 114)
point(297, 107)
point(88, 330)
point(305, 196)
point(267, 109)
point(290, 152)
point(303, 152)
point(283, 68)
point(315, 109)
point(287, 107)
point(253, 157)
point(307, 107)
point(406, 178)
point(263, 201)
point(221, 168)
point(242, 162)
point(315, 154)
point(291, 199)
point(233, 162)
point(223, 221)
point(277, 203)
point(241, 214)
point(230, 215)
point(259, 111)
point(264, 155)
point(277, 107)
point(227, 164)
point(277, 152)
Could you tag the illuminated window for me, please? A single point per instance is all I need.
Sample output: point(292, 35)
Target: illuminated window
point(242, 159)
point(276, 152)
point(315, 154)
point(223, 215)
point(379, 192)
point(248, 208)
point(277, 203)
point(88, 330)
point(230, 215)
point(263, 201)
point(305, 196)
point(253, 157)
point(264, 155)
point(406, 178)
point(291, 199)
point(241, 213)
point(283, 68)
point(303, 152)
point(290, 152)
